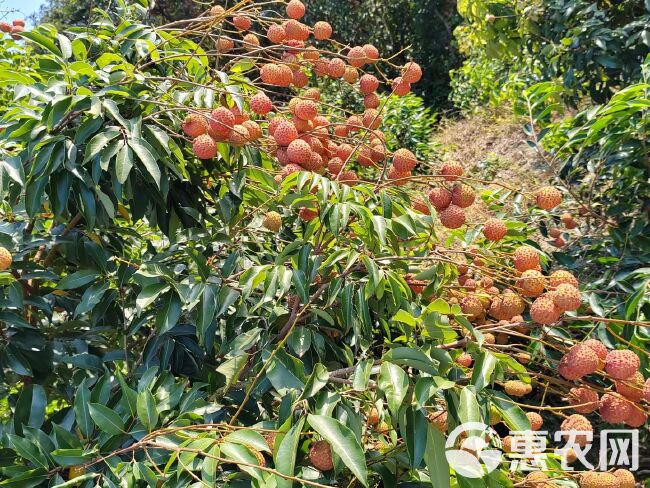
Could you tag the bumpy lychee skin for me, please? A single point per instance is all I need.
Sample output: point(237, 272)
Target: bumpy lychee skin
point(465, 360)
point(548, 197)
point(535, 419)
point(368, 84)
point(517, 388)
point(632, 388)
point(299, 152)
point(494, 230)
point(544, 311)
point(560, 276)
point(451, 171)
point(241, 22)
point(577, 423)
point(295, 9)
point(525, 258)
point(584, 400)
point(221, 121)
point(472, 306)
point(357, 57)
point(306, 109)
point(194, 125)
point(531, 283)
point(404, 160)
point(322, 30)
point(285, 133)
point(272, 221)
point(440, 198)
point(204, 147)
point(400, 87)
point(637, 418)
point(261, 104)
point(538, 479)
point(5, 259)
point(622, 364)
point(578, 362)
point(646, 390)
point(276, 33)
point(597, 479)
point(614, 409)
point(419, 204)
point(625, 478)
point(599, 348)
point(462, 195)
point(372, 53)
point(320, 456)
point(453, 217)
point(567, 297)
point(412, 73)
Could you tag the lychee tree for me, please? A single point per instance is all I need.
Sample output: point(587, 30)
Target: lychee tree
point(211, 277)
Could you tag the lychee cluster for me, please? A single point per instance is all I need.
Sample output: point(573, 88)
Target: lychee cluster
point(14, 29)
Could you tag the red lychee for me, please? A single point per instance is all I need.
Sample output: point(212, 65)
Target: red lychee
point(204, 147)
point(453, 217)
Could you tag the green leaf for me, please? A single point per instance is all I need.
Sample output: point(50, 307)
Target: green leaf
point(81, 408)
point(106, 419)
point(71, 457)
point(147, 411)
point(513, 416)
point(99, 142)
point(26, 449)
point(394, 382)
point(146, 158)
point(343, 443)
point(436, 459)
point(169, 313)
point(123, 163)
point(78, 279)
point(483, 369)
point(285, 458)
point(149, 294)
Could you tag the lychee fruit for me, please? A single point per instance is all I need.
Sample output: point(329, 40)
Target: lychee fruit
point(580, 361)
point(532, 283)
point(419, 204)
point(567, 297)
point(584, 400)
point(599, 348)
point(368, 84)
point(544, 311)
point(517, 388)
point(241, 22)
point(412, 73)
point(320, 456)
point(296, 31)
point(580, 426)
point(637, 418)
point(299, 152)
point(322, 30)
point(535, 419)
point(285, 133)
point(632, 388)
point(440, 198)
point(622, 364)
point(625, 478)
point(404, 160)
point(307, 214)
point(295, 9)
point(525, 258)
point(560, 276)
point(472, 306)
point(194, 125)
point(400, 87)
point(453, 217)
point(614, 409)
point(357, 57)
point(222, 121)
point(372, 53)
point(598, 479)
point(351, 75)
point(548, 197)
point(398, 177)
point(261, 104)
point(494, 229)
point(276, 33)
point(451, 171)
point(462, 195)
point(646, 390)
point(204, 147)
point(538, 479)
point(5, 259)
point(464, 360)
point(272, 221)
